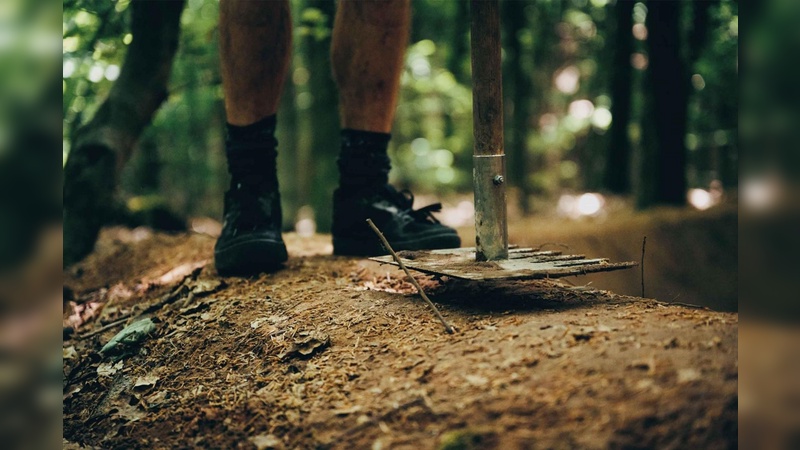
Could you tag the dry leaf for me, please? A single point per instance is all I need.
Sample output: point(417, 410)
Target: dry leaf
point(108, 369)
point(347, 411)
point(69, 352)
point(206, 286)
point(129, 337)
point(257, 323)
point(688, 375)
point(476, 380)
point(266, 441)
point(306, 344)
point(144, 383)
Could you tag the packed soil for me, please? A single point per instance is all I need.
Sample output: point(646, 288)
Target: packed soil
point(335, 352)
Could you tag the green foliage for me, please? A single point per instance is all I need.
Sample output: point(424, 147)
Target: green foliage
point(712, 138)
point(564, 61)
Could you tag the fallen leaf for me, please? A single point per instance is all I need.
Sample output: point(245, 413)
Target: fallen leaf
point(129, 336)
point(347, 411)
point(69, 352)
point(129, 412)
point(476, 380)
point(108, 369)
point(257, 323)
point(688, 375)
point(144, 383)
point(266, 442)
point(157, 398)
point(179, 272)
point(72, 392)
point(206, 286)
point(307, 344)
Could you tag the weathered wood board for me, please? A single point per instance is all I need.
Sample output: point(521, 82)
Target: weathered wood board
point(522, 263)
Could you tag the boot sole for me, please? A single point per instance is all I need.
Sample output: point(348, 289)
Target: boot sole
point(250, 256)
point(370, 246)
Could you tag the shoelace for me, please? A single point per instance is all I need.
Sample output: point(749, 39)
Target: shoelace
point(405, 200)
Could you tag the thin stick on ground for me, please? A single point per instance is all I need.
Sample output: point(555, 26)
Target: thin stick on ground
point(644, 241)
point(446, 325)
point(105, 327)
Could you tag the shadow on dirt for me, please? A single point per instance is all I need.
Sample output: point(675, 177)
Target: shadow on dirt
point(514, 296)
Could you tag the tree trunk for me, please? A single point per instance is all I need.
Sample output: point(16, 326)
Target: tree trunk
point(518, 92)
point(460, 42)
point(668, 92)
point(291, 180)
point(102, 146)
point(142, 84)
point(617, 170)
point(324, 126)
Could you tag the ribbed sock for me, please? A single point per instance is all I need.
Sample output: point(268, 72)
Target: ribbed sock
point(252, 151)
point(363, 161)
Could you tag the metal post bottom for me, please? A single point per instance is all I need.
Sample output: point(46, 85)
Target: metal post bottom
point(491, 229)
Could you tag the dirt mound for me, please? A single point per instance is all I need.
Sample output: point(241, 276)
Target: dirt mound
point(336, 352)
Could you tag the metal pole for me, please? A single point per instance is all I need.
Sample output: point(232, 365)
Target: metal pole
point(488, 176)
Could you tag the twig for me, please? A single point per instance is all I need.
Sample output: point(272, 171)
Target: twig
point(660, 303)
point(446, 325)
point(685, 305)
point(105, 327)
point(644, 241)
point(171, 296)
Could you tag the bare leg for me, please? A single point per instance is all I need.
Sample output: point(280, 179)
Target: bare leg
point(255, 41)
point(369, 41)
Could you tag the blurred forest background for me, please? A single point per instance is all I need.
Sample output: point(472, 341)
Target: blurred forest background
point(604, 100)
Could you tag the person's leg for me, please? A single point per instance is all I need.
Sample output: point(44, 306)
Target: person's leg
point(255, 42)
point(255, 45)
point(369, 41)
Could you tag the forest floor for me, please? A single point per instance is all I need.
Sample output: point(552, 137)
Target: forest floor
point(336, 352)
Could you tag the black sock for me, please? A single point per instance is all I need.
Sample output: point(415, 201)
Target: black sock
point(363, 162)
point(251, 152)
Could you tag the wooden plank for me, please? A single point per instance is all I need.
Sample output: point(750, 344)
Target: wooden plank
point(523, 264)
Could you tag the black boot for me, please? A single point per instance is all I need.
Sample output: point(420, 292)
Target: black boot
point(390, 210)
point(251, 240)
point(365, 194)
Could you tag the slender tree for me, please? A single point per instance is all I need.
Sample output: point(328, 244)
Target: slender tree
point(617, 167)
point(459, 39)
point(667, 82)
point(663, 171)
point(291, 180)
point(324, 121)
point(518, 91)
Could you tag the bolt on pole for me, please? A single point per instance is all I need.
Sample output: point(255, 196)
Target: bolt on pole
point(488, 176)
